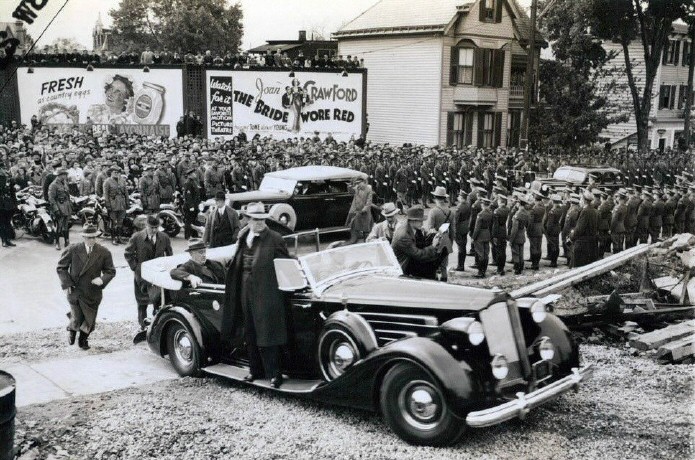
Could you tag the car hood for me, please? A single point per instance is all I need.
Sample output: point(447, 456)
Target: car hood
point(257, 195)
point(409, 292)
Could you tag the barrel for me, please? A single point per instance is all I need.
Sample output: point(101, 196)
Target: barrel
point(7, 414)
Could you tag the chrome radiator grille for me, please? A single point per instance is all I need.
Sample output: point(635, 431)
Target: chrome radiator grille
point(504, 336)
point(390, 327)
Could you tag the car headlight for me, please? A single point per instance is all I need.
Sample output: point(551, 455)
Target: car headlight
point(469, 327)
point(500, 369)
point(538, 312)
point(546, 348)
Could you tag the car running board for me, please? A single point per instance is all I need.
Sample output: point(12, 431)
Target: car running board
point(238, 374)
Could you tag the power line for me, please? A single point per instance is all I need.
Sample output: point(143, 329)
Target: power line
point(32, 46)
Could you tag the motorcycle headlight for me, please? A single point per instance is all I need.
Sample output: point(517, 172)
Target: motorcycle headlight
point(538, 312)
point(546, 348)
point(500, 369)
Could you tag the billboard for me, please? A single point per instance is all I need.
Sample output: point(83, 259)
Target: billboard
point(271, 103)
point(108, 99)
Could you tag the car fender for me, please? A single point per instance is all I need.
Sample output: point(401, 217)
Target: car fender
point(156, 335)
point(357, 325)
point(566, 349)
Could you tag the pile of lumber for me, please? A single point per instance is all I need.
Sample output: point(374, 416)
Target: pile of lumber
point(671, 344)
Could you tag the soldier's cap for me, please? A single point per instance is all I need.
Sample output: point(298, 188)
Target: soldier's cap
point(524, 199)
point(574, 199)
point(556, 198)
point(621, 194)
point(114, 168)
point(499, 189)
point(588, 196)
point(647, 194)
point(463, 193)
point(502, 197)
point(485, 201)
point(538, 195)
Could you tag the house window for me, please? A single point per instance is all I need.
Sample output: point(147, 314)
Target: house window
point(667, 97)
point(682, 96)
point(465, 66)
point(459, 129)
point(686, 54)
point(671, 52)
point(490, 10)
point(488, 129)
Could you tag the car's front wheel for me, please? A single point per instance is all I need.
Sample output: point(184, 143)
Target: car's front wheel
point(414, 407)
point(184, 352)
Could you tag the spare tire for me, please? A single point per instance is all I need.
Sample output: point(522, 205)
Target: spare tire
point(283, 213)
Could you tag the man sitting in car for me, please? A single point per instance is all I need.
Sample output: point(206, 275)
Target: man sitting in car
point(199, 269)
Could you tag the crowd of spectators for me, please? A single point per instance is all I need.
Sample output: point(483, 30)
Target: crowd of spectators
point(150, 57)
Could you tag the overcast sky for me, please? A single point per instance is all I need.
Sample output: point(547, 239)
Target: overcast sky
point(263, 19)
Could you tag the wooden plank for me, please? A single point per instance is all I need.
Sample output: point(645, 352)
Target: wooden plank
point(677, 350)
point(655, 339)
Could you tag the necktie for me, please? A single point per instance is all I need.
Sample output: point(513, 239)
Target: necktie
point(249, 239)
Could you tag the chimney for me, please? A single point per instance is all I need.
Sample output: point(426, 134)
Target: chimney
point(302, 36)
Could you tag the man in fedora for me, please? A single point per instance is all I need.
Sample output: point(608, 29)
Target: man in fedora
point(61, 207)
point(198, 269)
point(252, 297)
point(222, 225)
point(414, 260)
point(84, 271)
point(359, 217)
point(385, 228)
point(145, 245)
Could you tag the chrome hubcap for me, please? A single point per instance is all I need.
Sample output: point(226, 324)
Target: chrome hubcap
point(420, 404)
point(183, 346)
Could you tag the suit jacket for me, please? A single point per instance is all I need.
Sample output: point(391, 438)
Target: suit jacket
point(618, 219)
point(587, 224)
point(381, 231)
point(139, 249)
point(406, 249)
point(212, 272)
point(211, 221)
point(76, 270)
point(462, 218)
point(483, 225)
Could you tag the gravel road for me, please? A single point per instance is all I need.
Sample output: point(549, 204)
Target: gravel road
point(633, 408)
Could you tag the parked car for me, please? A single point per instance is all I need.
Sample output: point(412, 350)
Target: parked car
point(433, 358)
point(577, 177)
point(304, 198)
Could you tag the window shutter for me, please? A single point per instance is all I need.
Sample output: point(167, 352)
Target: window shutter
point(664, 58)
point(481, 10)
point(676, 53)
point(662, 96)
point(498, 129)
point(469, 128)
point(672, 99)
point(453, 75)
point(686, 50)
point(449, 129)
point(498, 10)
point(478, 64)
point(481, 128)
point(499, 68)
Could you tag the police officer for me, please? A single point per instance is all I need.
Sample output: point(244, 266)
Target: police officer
point(116, 201)
point(568, 226)
point(191, 200)
point(214, 179)
point(481, 236)
point(517, 235)
point(149, 190)
point(604, 225)
point(166, 179)
point(8, 206)
point(61, 207)
point(670, 203)
point(462, 218)
point(656, 217)
point(643, 215)
point(535, 230)
point(499, 233)
point(585, 235)
point(618, 216)
point(551, 229)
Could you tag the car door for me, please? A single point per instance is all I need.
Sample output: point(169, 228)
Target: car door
point(307, 203)
point(338, 200)
point(206, 303)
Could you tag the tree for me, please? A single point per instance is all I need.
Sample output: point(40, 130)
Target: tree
point(650, 22)
point(689, 18)
point(574, 104)
point(189, 25)
point(66, 43)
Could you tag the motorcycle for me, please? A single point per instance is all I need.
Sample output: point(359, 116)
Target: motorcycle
point(33, 217)
point(95, 213)
point(171, 216)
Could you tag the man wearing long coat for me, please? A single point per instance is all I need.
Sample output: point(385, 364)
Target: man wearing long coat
point(84, 270)
point(585, 234)
point(61, 207)
point(252, 297)
point(359, 217)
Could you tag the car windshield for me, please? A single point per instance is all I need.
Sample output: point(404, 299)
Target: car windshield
point(570, 175)
point(326, 266)
point(275, 184)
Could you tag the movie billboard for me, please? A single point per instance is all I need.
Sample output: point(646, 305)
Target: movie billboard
point(272, 103)
point(115, 100)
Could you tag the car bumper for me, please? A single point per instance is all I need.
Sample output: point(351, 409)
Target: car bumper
point(524, 402)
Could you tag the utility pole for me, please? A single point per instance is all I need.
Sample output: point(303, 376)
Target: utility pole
point(528, 82)
point(687, 129)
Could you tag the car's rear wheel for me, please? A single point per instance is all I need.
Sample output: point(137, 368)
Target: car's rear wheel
point(338, 351)
point(184, 352)
point(414, 407)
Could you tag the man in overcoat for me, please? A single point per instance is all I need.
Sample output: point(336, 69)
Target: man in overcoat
point(116, 202)
point(61, 207)
point(147, 244)
point(481, 236)
point(359, 217)
point(585, 235)
point(222, 225)
point(84, 270)
point(462, 218)
point(149, 190)
point(252, 297)
point(618, 228)
point(416, 260)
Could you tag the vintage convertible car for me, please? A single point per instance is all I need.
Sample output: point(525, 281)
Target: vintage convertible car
point(306, 197)
point(433, 358)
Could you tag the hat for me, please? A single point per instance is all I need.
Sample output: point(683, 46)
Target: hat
point(220, 195)
point(463, 193)
point(389, 209)
point(416, 213)
point(574, 199)
point(440, 192)
point(556, 198)
point(256, 211)
point(524, 199)
point(114, 168)
point(648, 195)
point(153, 221)
point(90, 231)
point(484, 200)
point(588, 196)
point(195, 245)
point(61, 171)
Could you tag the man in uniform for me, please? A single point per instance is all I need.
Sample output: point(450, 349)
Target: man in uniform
point(400, 186)
point(618, 217)
point(214, 179)
point(359, 217)
point(191, 200)
point(166, 179)
point(568, 226)
point(670, 203)
point(604, 225)
point(584, 237)
point(643, 215)
point(551, 229)
point(656, 217)
point(681, 218)
point(61, 207)
point(462, 218)
point(438, 216)
point(517, 235)
point(149, 191)
point(499, 234)
point(116, 202)
point(8, 206)
point(84, 271)
point(481, 237)
point(145, 245)
point(633, 205)
point(535, 231)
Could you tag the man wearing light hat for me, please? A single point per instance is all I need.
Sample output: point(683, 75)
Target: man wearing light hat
point(252, 297)
point(84, 271)
point(385, 228)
